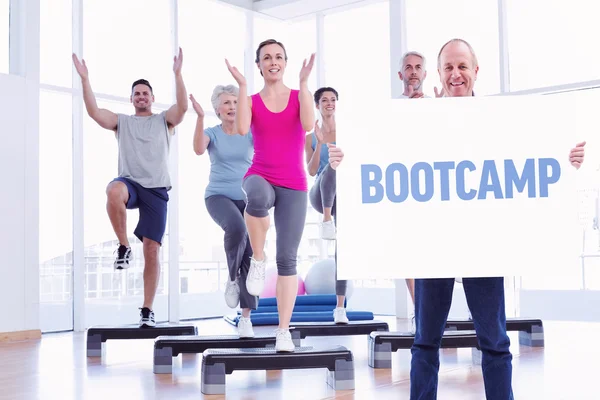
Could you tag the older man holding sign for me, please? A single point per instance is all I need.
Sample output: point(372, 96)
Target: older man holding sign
point(458, 67)
point(484, 191)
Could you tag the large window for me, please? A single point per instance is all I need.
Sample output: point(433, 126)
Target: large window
point(4, 35)
point(559, 47)
point(210, 32)
point(56, 212)
point(112, 296)
point(301, 43)
point(202, 262)
point(137, 41)
point(357, 53)
point(431, 23)
point(586, 273)
point(56, 42)
point(357, 64)
point(128, 40)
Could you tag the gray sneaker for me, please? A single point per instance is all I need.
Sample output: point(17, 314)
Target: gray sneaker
point(232, 293)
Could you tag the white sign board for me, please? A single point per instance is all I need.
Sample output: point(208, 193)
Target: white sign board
point(456, 187)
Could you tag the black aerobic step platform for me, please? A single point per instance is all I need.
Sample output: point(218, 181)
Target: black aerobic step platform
point(98, 335)
point(301, 330)
point(531, 331)
point(218, 363)
point(383, 344)
point(167, 347)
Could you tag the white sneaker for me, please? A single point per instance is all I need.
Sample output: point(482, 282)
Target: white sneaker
point(245, 328)
point(255, 282)
point(232, 293)
point(339, 315)
point(283, 341)
point(327, 230)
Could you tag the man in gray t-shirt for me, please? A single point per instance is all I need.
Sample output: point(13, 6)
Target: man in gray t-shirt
point(144, 140)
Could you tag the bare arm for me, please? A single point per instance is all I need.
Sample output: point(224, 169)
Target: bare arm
point(201, 140)
point(308, 151)
point(307, 114)
point(243, 114)
point(105, 118)
point(313, 157)
point(177, 111)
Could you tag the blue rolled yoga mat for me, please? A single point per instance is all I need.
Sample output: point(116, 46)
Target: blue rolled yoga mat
point(297, 308)
point(303, 300)
point(272, 318)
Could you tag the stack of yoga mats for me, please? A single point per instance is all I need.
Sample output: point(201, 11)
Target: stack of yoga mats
point(308, 308)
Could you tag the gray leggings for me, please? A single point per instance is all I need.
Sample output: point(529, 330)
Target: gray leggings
point(229, 215)
point(323, 195)
point(290, 217)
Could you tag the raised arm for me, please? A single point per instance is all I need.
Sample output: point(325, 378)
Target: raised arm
point(243, 114)
point(313, 157)
point(201, 140)
point(105, 118)
point(177, 111)
point(307, 114)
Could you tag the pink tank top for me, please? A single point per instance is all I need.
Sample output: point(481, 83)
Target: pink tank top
point(278, 144)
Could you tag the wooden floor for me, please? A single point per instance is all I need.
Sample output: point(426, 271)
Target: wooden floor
point(56, 367)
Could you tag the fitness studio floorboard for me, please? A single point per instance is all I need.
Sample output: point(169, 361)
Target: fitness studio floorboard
point(56, 367)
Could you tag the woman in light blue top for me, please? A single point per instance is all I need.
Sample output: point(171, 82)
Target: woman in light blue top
point(230, 156)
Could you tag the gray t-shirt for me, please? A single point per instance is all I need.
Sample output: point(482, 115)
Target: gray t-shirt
point(230, 158)
point(144, 144)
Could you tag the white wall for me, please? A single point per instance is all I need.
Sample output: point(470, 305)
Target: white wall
point(19, 269)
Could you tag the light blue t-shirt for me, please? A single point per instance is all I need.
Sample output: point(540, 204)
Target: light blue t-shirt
point(230, 158)
point(324, 159)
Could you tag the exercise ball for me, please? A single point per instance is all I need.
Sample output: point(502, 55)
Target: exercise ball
point(270, 288)
point(320, 279)
point(301, 286)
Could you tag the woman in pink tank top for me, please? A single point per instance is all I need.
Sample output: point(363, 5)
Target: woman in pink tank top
point(279, 118)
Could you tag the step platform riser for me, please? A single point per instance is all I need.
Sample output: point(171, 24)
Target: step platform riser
point(218, 363)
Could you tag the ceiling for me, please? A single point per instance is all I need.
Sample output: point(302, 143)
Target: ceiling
point(295, 9)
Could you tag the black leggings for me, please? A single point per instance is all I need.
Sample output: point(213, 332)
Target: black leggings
point(229, 215)
point(290, 217)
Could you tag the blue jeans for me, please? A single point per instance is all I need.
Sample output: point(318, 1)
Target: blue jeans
point(485, 298)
